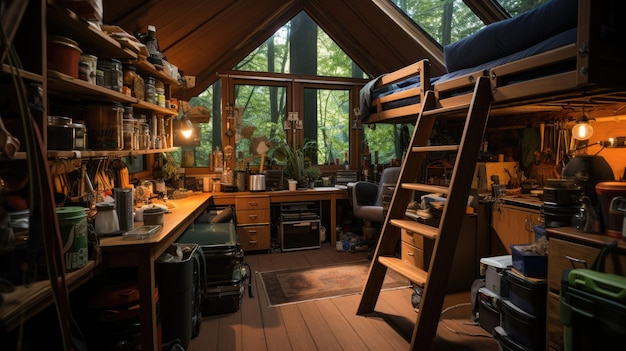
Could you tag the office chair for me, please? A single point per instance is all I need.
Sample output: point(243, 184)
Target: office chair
point(367, 198)
point(368, 201)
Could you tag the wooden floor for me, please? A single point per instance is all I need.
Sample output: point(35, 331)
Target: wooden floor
point(330, 324)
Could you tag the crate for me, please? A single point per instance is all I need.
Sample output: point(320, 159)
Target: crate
point(529, 294)
point(529, 265)
point(493, 269)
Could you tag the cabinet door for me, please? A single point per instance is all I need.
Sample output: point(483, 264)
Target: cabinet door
point(512, 225)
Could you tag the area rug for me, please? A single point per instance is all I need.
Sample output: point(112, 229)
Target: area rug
point(322, 282)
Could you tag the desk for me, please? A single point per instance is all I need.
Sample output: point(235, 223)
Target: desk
point(117, 252)
point(330, 194)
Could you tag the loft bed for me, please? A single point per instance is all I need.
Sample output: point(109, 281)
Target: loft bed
point(563, 50)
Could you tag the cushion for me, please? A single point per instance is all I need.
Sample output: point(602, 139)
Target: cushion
point(512, 35)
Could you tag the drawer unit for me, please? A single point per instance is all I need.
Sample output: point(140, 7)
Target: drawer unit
point(417, 251)
point(254, 237)
point(252, 215)
point(572, 249)
point(412, 249)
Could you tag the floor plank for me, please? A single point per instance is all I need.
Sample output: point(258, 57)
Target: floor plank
point(327, 324)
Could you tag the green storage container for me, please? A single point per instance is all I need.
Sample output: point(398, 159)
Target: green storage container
point(593, 310)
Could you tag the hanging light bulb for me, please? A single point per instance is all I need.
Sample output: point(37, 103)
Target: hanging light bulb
point(186, 128)
point(582, 130)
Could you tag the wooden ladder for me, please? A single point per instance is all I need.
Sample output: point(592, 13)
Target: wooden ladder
point(433, 281)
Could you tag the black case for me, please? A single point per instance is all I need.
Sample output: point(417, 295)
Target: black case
point(226, 272)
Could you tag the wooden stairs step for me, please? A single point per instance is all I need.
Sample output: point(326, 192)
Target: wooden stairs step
point(414, 227)
point(416, 275)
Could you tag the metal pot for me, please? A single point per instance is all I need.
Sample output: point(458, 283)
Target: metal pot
point(257, 182)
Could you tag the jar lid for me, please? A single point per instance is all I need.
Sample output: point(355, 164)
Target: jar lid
point(70, 212)
point(105, 206)
point(54, 39)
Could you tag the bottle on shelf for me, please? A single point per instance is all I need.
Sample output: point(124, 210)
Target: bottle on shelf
point(218, 160)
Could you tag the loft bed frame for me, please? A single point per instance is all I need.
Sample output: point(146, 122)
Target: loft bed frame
point(592, 70)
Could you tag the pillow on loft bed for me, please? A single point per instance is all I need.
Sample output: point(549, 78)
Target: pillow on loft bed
point(509, 36)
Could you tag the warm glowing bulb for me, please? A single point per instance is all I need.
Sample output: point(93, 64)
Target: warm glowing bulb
point(187, 133)
point(582, 131)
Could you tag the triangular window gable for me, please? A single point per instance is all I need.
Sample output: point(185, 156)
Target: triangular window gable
point(301, 47)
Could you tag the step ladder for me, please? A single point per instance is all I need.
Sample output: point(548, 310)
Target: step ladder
point(433, 281)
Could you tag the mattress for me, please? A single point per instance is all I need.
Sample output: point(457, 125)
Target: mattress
point(548, 26)
point(556, 41)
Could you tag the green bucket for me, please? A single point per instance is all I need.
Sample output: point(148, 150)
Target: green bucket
point(73, 226)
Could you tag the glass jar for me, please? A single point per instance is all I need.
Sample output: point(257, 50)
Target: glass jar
point(104, 125)
point(144, 136)
point(129, 134)
point(150, 90)
point(130, 73)
point(113, 74)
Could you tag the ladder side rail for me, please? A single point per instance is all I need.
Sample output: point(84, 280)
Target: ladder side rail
point(390, 235)
point(445, 245)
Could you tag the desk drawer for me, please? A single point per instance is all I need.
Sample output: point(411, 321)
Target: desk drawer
point(246, 217)
point(412, 255)
point(412, 239)
point(254, 237)
point(252, 202)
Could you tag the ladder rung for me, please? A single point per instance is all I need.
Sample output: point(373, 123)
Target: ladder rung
point(424, 230)
point(425, 187)
point(412, 273)
point(445, 110)
point(435, 148)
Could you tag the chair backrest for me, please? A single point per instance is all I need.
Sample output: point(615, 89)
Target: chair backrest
point(389, 176)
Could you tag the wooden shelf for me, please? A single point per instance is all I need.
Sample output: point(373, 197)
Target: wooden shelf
point(25, 302)
point(60, 84)
point(104, 153)
point(24, 74)
point(89, 37)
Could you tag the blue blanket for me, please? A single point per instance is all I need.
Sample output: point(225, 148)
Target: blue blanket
point(509, 36)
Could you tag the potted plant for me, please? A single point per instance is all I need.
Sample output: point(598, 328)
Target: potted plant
point(170, 170)
point(294, 158)
point(312, 173)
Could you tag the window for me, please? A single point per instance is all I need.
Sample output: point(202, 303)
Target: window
point(516, 7)
point(387, 142)
point(445, 21)
point(259, 110)
point(332, 128)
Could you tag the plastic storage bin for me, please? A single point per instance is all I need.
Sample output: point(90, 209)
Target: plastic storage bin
point(527, 294)
point(488, 309)
point(593, 310)
point(534, 266)
point(493, 268)
point(505, 342)
point(525, 328)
